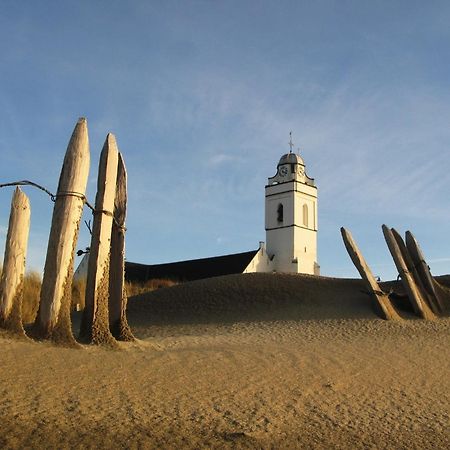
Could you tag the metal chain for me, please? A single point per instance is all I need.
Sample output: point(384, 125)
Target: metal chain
point(29, 183)
point(54, 197)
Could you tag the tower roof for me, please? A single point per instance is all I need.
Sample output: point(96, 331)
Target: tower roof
point(291, 158)
point(291, 167)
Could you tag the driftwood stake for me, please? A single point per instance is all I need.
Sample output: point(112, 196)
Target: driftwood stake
point(430, 284)
point(381, 301)
point(117, 294)
point(418, 302)
point(11, 283)
point(95, 321)
point(412, 270)
point(53, 319)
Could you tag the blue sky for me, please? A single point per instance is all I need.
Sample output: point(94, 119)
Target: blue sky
point(201, 96)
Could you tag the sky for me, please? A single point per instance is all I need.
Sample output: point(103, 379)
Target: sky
point(201, 96)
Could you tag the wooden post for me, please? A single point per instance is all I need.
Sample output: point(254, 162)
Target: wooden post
point(11, 283)
point(443, 296)
point(95, 321)
point(418, 302)
point(381, 301)
point(418, 258)
point(412, 270)
point(53, 319)
point(117, 295)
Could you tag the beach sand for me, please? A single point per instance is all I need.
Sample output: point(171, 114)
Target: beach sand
point(243, 361)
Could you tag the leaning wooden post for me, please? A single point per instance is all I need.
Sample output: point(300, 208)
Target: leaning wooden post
point(381, 300)
point(117, 295)
point(11, 283)
point(431, 285)
point(95, 321)
point(53, 319)
point(418, 302)
point(412, 270)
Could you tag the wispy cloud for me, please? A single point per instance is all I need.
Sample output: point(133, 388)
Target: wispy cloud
point(202, 98)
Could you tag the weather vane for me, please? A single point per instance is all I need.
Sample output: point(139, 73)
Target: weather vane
point(291, 144)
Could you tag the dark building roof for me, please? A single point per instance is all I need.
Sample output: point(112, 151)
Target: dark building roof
point(195, 269)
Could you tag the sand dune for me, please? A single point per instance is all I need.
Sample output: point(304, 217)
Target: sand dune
point(244, 361)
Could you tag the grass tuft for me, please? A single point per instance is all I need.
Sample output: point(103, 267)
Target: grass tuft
point(134, 288)
point(32, 291)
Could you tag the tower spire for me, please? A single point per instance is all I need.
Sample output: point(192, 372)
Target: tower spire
point(291, 144)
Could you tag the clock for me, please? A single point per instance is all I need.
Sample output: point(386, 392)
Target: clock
point(301, 171)
point(283, 171)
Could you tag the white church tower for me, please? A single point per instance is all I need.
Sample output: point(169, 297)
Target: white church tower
point(291, 218)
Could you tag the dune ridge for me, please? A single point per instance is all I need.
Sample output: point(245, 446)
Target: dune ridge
point(243, 361)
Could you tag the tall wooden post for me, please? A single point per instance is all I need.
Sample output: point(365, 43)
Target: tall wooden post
point(381, 301)
point(418, 302)
point(95, 321)
point(11, 283)
point(430, 284)
point(117, 294)
point(53, 319)
point(413, 271)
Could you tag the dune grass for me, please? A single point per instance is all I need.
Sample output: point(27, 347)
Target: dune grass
point(134, 288)
point(32, 291)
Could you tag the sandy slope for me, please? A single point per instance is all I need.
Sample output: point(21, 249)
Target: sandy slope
point(247, 361)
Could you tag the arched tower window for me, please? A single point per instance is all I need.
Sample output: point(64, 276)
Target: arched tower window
point(305, 215)
point(280, 213)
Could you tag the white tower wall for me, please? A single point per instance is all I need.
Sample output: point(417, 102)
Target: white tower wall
point(291, 218)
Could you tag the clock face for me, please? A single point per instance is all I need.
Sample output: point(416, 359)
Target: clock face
point(283, 171)
point(301, 171)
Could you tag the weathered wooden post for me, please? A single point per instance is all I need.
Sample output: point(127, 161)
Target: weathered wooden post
point(418, 302)
point(381, 300)
point(95, 321)
point(412, 270)
point(430, 284)
point(11, 283)
point(117, 294)
point(53, 319)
